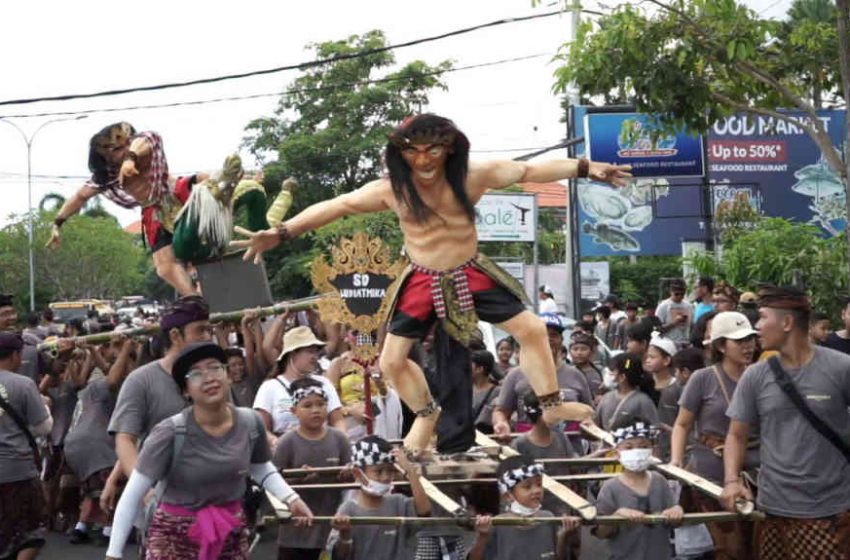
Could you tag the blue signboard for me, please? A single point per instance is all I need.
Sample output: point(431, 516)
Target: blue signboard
point(776, 164)
point(652, 216)
point(783, 164)
point(633, 139)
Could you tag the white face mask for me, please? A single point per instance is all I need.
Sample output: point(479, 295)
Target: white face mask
point(376, 488)
point(521, 510)
point(636, 460)
point(609, 380)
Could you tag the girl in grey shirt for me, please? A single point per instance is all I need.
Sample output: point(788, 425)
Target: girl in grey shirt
point(202, 479)
point(630, 401)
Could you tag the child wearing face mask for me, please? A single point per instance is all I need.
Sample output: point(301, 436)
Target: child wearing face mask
point(542, 442)
point(374, 465)
point(312, 444)
point(521, 481)
point(635, 493)
point(632, 397)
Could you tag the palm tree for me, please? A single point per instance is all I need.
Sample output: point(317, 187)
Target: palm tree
point(52, 202)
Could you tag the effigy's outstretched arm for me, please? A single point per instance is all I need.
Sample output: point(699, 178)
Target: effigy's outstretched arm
point(373, 197)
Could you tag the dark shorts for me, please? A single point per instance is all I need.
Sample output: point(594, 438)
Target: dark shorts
point(414, 313)
point(22, 517)
point(93, 486)
point(162, 239)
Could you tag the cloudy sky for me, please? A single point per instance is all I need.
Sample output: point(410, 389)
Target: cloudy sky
point(56, 48)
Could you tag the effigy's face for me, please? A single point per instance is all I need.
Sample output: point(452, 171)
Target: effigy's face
point(427, 162)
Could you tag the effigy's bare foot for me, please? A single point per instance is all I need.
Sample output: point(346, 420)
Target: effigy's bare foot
point(555, 410)
point(420, 434)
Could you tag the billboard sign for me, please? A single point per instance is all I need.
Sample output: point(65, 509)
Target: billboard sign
point(633, 139)
point(774, 164)
point(506, 217)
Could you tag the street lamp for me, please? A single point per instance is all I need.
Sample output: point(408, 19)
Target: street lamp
point(29, 141)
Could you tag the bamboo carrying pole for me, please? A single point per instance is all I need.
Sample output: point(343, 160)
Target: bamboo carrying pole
point(649, 519)
point(566, 461)
point(434, 493)
point(584, 508)
point(228, 317)
point(744, 507)
point(451, 482)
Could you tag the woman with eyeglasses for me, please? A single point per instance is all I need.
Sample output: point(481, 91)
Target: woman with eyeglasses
point(198, 460)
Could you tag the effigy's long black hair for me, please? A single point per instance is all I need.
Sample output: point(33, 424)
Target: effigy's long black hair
point(433, 128)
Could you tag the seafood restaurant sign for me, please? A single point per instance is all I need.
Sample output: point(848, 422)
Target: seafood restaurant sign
point(772, 162)
point(632, 139)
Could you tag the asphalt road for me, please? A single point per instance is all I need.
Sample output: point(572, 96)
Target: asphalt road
point(58, 549)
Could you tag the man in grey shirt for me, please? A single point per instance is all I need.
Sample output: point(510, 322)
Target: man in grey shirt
point(21, 494)
point(150, 395)
point(676, 314)
point(803, 478)
point(571, 382)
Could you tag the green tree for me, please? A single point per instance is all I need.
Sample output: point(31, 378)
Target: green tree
point(329, 131)
point(97, 259)
point(692, 62)
point(639, 281)
point(776, 251)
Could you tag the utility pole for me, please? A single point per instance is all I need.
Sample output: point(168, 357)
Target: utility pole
point(573, 267)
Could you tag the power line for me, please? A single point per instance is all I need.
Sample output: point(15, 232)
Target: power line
point(16, 176)
point(299, 66)
point(279, 93)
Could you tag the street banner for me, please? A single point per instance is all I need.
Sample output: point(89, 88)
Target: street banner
point(595, 280)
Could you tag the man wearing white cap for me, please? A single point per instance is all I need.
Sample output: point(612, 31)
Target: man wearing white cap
point(299, 358)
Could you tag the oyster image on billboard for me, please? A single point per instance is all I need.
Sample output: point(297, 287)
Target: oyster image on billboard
point(613, 212)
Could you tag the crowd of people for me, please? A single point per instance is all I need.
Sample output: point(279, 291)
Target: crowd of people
point(178, 434)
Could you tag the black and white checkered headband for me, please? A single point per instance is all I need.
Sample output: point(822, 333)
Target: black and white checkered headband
point(638, 430)
point(513, 477)
point(300, 394)
point(365, 453)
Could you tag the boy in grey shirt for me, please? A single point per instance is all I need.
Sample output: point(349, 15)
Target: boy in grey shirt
point(542, 442)
point(374, 462)
point(521, 481)
point(632, 495)
point(311, 444)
